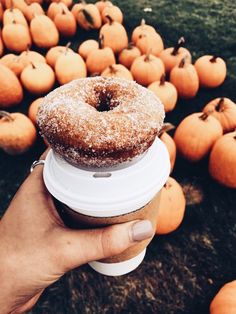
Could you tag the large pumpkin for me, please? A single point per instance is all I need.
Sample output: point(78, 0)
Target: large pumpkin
point(225, 300)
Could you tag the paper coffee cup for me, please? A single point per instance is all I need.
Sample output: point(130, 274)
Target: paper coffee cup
point(104, 197)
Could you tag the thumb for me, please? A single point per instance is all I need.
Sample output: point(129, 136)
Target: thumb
point(83, 246)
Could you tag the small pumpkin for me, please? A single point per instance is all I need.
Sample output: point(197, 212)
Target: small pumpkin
point(13, 62)
point(196, 135)
point(225, 302)
point(115, 35)
point(29, 56)
point(70, 66)
point(38, 78)
point(11, 92)
point(44, 32)
point(89, 17)
point(166, 91)
point(117, 70)
point(55, 52)
point(114, 12)
point(16, 4)
point(150, 42)
point(224, 110)
point(222, 163)
point(98, 60)
point(15, 15)
point(128, 55)
point(172, 56)
point(76, 8)
point(33, 110)
point(101, 5)
point(142, 29)
point(185, 78)
point(16, 37)
point(17, 133)
point(1, 44)
point(171, 208)
point(65, 23)
point(33, 9)
point(211, 71)
point(86, 47)
point(55, 8)
point(169, 142)
point(147, 69)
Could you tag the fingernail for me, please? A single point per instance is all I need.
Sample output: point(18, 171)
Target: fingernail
point(141, 230)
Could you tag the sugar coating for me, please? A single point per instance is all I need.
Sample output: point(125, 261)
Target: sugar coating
point(76, 130)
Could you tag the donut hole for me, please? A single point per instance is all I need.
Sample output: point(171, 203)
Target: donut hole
point(105, 99)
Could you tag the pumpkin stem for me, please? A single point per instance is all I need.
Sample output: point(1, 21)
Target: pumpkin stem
point(205, 115)
point(112, 69)
point(130, 46)
point(163, 79)
point(33, 65)
point(182, 62)
point(68, 46)
point(167, 185)
point(110, 19)
point(213, 59)
point(143, 22)
point(5, 114)
point(88, 17)
point(147, 57)
point(101, 41)
point(220, 104)
point(179, 44)
point(166, 128)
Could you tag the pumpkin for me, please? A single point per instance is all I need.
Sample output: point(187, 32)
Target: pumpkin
point(115, 35)
point(32, 10)
point(185, 78)
point(142, 29)
point(169, 142)
point(15, 15)
point(128, 55)
point(167, 93)
point(224, 110)
point(65, 23)
point(1, 12)
point(1, 44)
point(89, 17)
point(114, 12)
point(171, 208)
point(172, 56)
point(70, 66)
point(225, 301)
point(68, 3)
point(211, 71)
point(101, 5)
point(222, 163)
point(29, 2)
point(55, 8)
point(117, 70)
point(33, 110)
point(55, 52)
point(29, 56)
point(16, 4)
point(86, 47)
point(150, 43)
point(11, 92)
point(13, 62)
point(196, 135)
point(17, 133)
point(76, 8)
point(98, 60)
point(44, 32)
point(16, 37)
point(38, 78)
point(147, 69)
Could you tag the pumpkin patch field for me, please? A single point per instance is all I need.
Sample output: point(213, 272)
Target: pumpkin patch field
point(185, 53)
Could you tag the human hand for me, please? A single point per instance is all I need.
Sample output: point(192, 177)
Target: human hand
point(36, 248)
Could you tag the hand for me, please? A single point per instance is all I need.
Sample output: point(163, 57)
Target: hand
point(36, 248)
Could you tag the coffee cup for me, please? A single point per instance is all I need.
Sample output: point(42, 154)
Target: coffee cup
point(92, 198)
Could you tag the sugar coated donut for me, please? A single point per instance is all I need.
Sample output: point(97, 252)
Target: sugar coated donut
point(100, 122)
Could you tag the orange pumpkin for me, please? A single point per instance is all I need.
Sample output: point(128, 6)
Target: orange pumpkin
point(222, 163)
point(128, 55)
point(16, 4)
point(17, 133)
point(1, 44)
point(167, 93)
point(32, 10)
point(76, 8)
point(29, 56)
point(101, 5)
point(33, 110)
point(172, 56)
point(55, 52)
point(11, 92)
point(117, 70)
point(224, 110)
point(185, 78)
point(172, 207)
point(211, 71)
point(196, 135)
point(65, 23)
point(115, 35)
point(89, 17)
point(169, 142)
point(55, 8)
point(147, 69)
point(225, 301)
point(114, 12)
point(150, 43)
point(98, 60)
point(142, 29)
point(15, 15)
point(86, 47)
point(1, 12)
point(13, 62)
point(38, 78)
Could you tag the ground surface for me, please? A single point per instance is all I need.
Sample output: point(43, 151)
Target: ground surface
point(183, 271)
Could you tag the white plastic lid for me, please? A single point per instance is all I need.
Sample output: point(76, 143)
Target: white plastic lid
point(107, 194)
